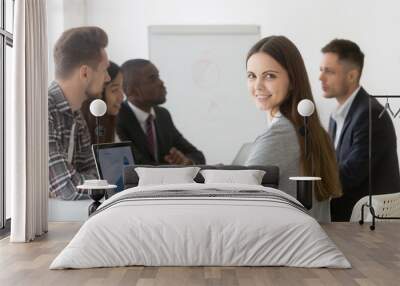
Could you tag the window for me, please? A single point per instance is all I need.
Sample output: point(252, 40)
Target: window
point(6, 43)
point(9, 19)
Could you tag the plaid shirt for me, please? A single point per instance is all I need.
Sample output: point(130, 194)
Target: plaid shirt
point(63, 176)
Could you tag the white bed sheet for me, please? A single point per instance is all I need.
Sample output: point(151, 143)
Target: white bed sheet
point(193, 231)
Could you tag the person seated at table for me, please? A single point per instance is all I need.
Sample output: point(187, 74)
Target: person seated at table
point(149, 126)
point(278, 81)
point(81, 70)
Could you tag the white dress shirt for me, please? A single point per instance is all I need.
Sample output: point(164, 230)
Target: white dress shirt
point(339, 115)
point(142, 115)
point(273, 119)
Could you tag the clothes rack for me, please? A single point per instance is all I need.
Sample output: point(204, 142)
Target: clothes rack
point(369, 203)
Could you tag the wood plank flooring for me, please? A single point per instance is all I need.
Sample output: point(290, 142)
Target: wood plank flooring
point(374, 255)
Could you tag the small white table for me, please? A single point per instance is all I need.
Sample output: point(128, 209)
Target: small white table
point(96, 190)
point(305, 178)
point(304, 189)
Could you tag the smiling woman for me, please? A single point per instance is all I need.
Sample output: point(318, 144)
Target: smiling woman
point(278, 81)
point(113, 96)
point(268, 82)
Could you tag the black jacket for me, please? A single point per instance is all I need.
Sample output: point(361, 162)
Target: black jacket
point(352, 153)
point(128, 128)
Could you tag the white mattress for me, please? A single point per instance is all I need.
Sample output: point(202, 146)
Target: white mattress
point(200, 231)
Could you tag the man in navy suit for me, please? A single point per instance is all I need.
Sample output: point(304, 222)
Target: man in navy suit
point(341, 69)
point(150, 127)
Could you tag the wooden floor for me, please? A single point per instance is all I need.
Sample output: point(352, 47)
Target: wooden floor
point(374, 255)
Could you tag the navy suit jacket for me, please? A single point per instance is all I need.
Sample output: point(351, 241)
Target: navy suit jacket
point(352, 153)
point(128, 128)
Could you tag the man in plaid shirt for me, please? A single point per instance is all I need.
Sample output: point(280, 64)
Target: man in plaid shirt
point(81, 71)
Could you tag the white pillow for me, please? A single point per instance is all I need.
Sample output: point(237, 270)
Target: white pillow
point(248, 177)
point(165, 176)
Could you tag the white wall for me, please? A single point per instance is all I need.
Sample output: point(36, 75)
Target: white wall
point(310, 24)
point(62, 15)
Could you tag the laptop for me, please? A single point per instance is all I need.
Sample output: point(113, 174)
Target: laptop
point(110, 159)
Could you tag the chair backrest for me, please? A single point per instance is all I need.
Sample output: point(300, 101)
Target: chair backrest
point(242, 154)
point(387, 205)
point(270, 179)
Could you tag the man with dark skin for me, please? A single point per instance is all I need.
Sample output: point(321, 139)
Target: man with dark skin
point(150, 127)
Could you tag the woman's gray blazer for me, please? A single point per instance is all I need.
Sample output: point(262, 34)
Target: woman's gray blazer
point(279, 146)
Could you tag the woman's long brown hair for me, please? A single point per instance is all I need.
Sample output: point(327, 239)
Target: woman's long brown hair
point(321, 160)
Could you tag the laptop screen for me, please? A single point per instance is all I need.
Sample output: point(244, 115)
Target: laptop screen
point(111, 160)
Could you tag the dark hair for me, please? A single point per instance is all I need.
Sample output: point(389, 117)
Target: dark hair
point(107, 122)
point(321, 159)
point(347, 51)
point(113, 70)
point(130, 70)
point(78, 46)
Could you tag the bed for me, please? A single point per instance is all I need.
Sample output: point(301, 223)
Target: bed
point(201, 224)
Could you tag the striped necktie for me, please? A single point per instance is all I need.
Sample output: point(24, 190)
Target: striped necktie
point(150, 134)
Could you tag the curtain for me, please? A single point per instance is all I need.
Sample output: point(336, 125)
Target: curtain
point(27, 123)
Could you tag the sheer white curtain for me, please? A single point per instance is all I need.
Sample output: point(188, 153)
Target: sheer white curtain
point(26, 119)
